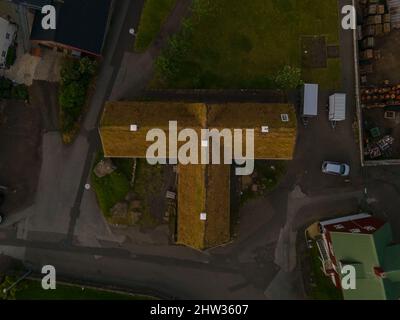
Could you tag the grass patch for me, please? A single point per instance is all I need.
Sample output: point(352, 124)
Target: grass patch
point(323, 288)
point(148, 182)
point(112, 188)
point(268, 175)
point(32, 290)
point(148, 179)
point(243, 44)
point(154, 14)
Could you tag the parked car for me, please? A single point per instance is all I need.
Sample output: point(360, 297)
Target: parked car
point(336, 168)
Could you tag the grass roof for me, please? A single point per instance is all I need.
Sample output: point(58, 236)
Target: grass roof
point(203, 189)
point(119, 141)
point(191, 196)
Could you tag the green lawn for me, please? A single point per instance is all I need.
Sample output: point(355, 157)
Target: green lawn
point(243, 44)
point(112, 188)
point(154, 14)
point(32, 290)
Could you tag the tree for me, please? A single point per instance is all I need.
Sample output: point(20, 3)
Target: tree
point(72, 95)
point(87, 67)
point(70, 71)
point(288, 78)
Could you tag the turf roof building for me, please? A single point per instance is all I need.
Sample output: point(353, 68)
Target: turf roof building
point(366, 243)
point(203, 219)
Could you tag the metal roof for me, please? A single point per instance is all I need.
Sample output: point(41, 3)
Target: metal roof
point(369, 251)
point(337, 107)
point(310, 103)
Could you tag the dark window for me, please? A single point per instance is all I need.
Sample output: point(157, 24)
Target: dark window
point(7, 36)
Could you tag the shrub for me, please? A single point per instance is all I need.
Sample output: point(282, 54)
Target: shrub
point(5, 88)
point(10, 91)
point(11, 56)
point(20, 92)
point(288, 78)
point(76, 75)
point(72, 96)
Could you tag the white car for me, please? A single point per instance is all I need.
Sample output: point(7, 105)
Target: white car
point(336, 168)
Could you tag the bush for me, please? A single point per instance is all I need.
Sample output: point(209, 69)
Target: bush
point(76, 75)
point(20, 92)
point(288, 78)
point(5, 88)
point(72, 96)
point(10, 91)
point(11, 56)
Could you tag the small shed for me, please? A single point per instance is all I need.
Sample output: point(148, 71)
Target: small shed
point(310, 100)
point(337, 107)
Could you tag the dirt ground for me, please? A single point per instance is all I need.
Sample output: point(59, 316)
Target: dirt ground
point(28, 68)
point(21, 128)
point(375, 118)
point(385, 68)
point(20, 141)
point(314, 54)
point(388, 67)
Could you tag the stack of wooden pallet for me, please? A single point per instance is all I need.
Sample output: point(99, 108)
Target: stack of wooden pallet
point(376, 19)
point(380, 96)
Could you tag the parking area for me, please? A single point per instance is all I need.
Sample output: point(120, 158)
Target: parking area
point(318, 142)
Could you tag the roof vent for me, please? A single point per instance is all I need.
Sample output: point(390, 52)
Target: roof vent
point(264, 129)
point(203, 216)
point(133, 127)
point(285, 117)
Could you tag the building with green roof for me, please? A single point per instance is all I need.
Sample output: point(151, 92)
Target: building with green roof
point(366, 243)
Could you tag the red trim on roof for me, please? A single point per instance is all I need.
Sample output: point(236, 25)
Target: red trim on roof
point(363, 226)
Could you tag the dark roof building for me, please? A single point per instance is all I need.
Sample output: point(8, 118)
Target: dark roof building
point(33, 4)
point(81, 25)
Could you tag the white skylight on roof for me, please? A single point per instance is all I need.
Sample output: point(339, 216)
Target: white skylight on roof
point(285, 117)
point(264, 129)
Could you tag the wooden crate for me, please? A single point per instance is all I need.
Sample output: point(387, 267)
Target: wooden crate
point(386, 28)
